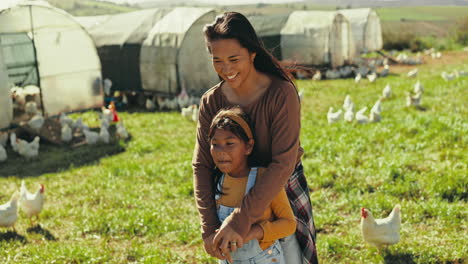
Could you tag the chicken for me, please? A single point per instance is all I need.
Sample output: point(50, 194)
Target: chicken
point(301, 94)
point(348, 103)
point(124, 99)
point(317, 76)
point(374, 116)
point(3, 138)
point(121, 132)
point(187, 111)
point(413, 100)
point(332, 74)
point(3, 154)
point(107, 86)
point(385, 71)
point(183, 99)
point(79, 125)
point(372, 77)
point(333, 117)
point(360, 117)
point(9, 212)
point(413, 73)
point(418, 87)
point(104, 135)
point(377, 108)
point(150, 106)
point(358, 78)
point(31, 203)
point(106, 114)
point(381, 232)
point(349, 115)
point(195, 113)
point(30, 108)
point(91, 137)
point(14, 144)
point(66, 133)
point(64, 119)
point(448, 77)
point(387, 91)
point(28, 150)
point(36, 122)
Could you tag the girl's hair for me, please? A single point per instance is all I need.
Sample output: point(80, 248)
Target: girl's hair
point(233, 25)
point(224, 122)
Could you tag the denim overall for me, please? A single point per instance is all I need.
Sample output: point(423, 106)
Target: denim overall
point(251, 252)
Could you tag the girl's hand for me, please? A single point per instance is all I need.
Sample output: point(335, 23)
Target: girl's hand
point(256, 232)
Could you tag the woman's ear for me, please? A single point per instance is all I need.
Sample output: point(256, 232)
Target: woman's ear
point(252, 56)
point(249, 146)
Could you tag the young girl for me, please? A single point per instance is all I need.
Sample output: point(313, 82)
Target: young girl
point(231, 143)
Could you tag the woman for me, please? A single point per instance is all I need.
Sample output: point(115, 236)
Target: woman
point(252, 79)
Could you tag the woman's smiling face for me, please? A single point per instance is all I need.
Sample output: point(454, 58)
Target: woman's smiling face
point(229, 152)
point(231, 61)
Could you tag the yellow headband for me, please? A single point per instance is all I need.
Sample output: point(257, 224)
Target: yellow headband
point(239, 120)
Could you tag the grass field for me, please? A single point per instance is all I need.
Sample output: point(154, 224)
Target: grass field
point(133, 201)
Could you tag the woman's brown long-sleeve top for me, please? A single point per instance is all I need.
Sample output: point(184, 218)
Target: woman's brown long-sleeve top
point(275, 116)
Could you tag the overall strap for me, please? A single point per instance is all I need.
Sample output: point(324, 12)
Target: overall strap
point(251, 180)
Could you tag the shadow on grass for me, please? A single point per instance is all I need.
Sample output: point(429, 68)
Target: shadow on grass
point(41, 231)
point(402, 257)
point(12, 236)
point(54, 158)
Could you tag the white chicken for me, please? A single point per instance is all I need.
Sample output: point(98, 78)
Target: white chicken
point(9, 212)
point(349, 115)
point(3, 138)
point(187, 111)
point(3, 154)
point(317, 76)
point(387, 91)
point(28, 149)
point(14, 144)
point(195, 113)
point(121, 132)
point(150, 106)
point(78, 124)
point(30, 108)
point(104, 135)
point(36, 122)
point(413, 100)
point(183, 99)
point(32, 203)
point(413, 73)
point(64, 119)
point(91, 137)
point(372, 77)
point(66, 133)
point(385, 71)
point(358, 78)
point(448, 77)
point(361, 118)
point(333, 117)
point(418, 87)
point(381, 232)
point(348, 103)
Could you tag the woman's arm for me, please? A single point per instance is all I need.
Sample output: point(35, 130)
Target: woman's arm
point(285, 129)
point(202, 164)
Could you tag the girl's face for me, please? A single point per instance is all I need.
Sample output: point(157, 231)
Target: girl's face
point(230, 153)
point(231, 61)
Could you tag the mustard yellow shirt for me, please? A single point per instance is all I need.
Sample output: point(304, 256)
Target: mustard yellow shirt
point(278, 220)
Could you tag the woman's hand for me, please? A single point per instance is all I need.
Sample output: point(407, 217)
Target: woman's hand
point(227, 240)
point(208, 244)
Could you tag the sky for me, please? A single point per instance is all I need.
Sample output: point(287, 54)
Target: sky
point(219, 2)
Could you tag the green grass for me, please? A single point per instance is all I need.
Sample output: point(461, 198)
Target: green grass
point(133, 201)
point(422, 13)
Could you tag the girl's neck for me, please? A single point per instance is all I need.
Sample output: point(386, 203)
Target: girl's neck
point(242, 173)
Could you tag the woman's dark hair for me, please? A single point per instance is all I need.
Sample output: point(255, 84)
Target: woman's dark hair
point(220, 121)
point(233, 25)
